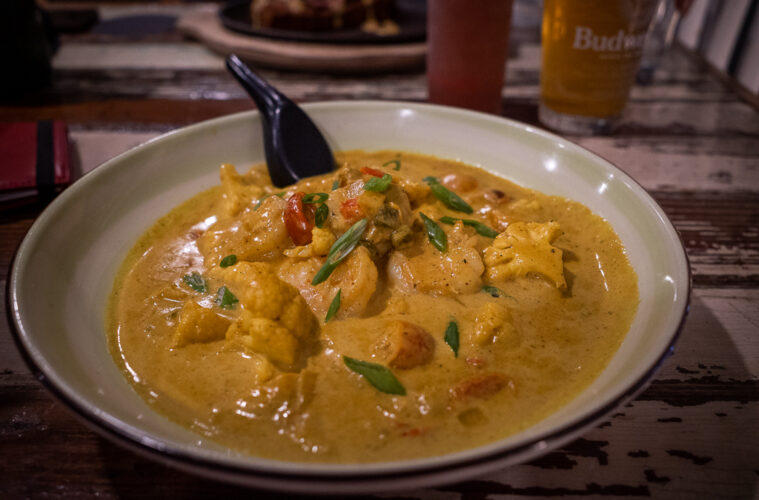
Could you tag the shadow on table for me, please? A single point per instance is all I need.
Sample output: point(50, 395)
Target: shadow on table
point(693, 433)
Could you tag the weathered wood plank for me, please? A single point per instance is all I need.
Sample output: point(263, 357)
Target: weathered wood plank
point(676, 163)
point(169, 82)
point(660, 164)
point(136, 55)
point(719, 339)
point(647, 448)
point(712, 119)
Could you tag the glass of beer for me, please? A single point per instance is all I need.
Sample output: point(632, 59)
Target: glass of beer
point(591, 50)
point(467, 47)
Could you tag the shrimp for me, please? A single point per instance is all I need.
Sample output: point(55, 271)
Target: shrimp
point(355, 277)
point(457, 271)
point(256, 234)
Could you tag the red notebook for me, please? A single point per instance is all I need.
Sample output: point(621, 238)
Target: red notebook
point(34, 160)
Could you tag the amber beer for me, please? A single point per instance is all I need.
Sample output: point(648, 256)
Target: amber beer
point(591, 50)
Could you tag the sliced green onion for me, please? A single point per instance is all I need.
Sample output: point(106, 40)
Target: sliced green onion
point(320, 217)
point(195, 281)
point(436, 235)
point(477, 225)
point(340, 250)
point(379, 184)
point(229, 260)
point(397, 164)
point(335, 184)
point(448, 197)
point(496, 292)
point(377, 375)
point(226, 299)
point(452, 337)
point(315, 198)
point(481, 228)
point(333, 307)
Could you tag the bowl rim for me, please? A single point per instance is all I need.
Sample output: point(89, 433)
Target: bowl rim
point(324, 473)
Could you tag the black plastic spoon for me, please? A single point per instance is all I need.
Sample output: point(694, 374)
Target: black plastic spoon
point(294, 147)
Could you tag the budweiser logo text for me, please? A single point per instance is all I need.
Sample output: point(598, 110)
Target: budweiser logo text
point(585, 39)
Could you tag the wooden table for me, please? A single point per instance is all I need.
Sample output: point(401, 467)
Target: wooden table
point(689, 140)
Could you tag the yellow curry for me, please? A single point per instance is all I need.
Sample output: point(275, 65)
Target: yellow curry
point(403, 306)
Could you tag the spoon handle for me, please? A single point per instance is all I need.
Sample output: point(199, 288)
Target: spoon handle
point(267, 98)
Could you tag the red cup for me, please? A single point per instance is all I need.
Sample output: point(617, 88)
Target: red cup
point(467, 48)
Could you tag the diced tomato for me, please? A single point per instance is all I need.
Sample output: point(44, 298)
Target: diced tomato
point(480, 386)
point(350, 209)
point(372, 171)
point(296, 221)
point(416, 431)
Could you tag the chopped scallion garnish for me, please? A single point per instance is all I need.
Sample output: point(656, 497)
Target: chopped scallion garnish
point(315, 198)
point(333, 307)
point(226, 299)
point(229, 260)
point(448, 197)
point(435, 233)
point(377, 375)
point(320, 217)
point(379, 184)
point(452, 337)
point(397, 164)
point(340, 250)
point(477, 225)
point(195, 281)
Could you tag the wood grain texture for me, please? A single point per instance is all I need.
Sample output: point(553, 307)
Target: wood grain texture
point(688, 139)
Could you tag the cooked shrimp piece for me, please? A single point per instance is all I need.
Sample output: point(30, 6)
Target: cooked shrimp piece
point(355, 277)
point(462, 183)
point(240, 190)
point(457, 271)
point(254, 235)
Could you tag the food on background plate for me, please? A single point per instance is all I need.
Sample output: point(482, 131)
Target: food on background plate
point(403, 306)
point(322, 15)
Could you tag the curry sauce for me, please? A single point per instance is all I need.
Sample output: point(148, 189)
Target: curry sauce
point(403, 306)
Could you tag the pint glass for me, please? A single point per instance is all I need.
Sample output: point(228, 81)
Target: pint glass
point(467, 46)
point(591, 50)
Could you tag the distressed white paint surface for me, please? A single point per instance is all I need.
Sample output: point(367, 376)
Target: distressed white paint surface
point(136, 56)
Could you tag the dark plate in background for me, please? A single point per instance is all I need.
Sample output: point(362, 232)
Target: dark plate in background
point(411, 16)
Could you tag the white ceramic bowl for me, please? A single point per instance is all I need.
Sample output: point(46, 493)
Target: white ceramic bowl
point(64, 270)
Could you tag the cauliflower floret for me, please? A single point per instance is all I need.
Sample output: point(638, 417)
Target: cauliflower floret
point(239, 190)
point(321, 241)
point(275, 320)
point(199, 324)
point(525, 247)
point(492, 321)
point(266, 337)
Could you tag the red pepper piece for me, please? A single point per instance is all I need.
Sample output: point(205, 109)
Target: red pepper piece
point(372, 171)
point(297, 223)
point(350, 209)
